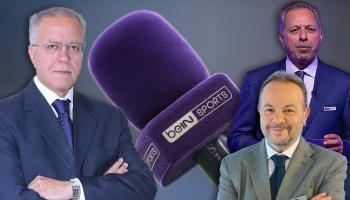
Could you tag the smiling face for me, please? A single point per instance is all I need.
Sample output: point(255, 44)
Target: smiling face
point(60, 70)
point(301, 36)
point(282, 114)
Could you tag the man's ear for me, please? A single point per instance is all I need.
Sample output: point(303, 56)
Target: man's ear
point(280, 37)
point(31, 54)
point(306, 114)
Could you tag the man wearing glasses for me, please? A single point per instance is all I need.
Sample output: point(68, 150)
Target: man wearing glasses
point(56, 143)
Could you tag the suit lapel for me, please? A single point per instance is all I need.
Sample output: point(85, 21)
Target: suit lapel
point(259, 171)
point(322, 86)
point(84, 125)
point(43, 117)
point(299, 166)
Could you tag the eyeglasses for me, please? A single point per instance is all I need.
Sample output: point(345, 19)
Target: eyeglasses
point(52, 47)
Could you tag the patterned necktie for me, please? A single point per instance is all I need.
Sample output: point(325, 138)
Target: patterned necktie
point(278, 174)
point(301, 74)
point(62, 109)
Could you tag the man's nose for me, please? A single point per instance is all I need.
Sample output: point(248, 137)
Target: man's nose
point(278, 117)
point(63, 54)
point(303, 36)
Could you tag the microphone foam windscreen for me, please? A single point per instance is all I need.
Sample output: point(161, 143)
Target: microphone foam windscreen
point(143, 65)
point(146, 68)
point(168, 142)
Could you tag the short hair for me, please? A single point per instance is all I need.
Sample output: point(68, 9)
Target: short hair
point(296, 5)
point(36, 19)
point(284, 77)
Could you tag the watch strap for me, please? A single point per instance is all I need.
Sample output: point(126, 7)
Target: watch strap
point(76, 189)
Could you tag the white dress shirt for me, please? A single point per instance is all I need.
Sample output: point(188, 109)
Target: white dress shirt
point(309, 78)
point(288, 152)
point(50, 97)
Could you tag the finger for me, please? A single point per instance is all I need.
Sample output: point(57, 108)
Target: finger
point(339, 149)
point(326, 198)
point(123, 168)
point(35, 186)
point(330, 136)
point(331, 142)
point(321, 196)
point(108, 171)
point(122, 171)
point(31, 185)
point(34, 181)
point(115, 166)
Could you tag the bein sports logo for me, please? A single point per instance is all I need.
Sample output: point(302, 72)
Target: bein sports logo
point(190, 119)
point(151, 156)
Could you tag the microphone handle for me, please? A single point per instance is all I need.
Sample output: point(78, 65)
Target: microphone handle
point(210, 156)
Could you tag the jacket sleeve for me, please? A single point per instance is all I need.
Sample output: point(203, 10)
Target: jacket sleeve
point(333, 182)
point(12, 181)
point(226, 187)
point(246, 120)
point(137, 183)
point(346, 128)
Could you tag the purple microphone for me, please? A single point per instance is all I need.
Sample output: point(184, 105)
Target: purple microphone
point(146, 68)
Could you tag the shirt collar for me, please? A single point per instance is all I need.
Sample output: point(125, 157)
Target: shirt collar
point(288, 152)
point(310, 70)
point(49, 95)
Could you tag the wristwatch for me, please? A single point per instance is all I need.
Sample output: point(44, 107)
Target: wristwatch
point(76, 189)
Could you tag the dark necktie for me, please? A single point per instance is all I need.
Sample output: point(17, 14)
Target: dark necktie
point(62, 109)
point(301, 74)
point(278, 174)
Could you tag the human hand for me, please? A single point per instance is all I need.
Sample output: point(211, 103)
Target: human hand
point(49, 188)
point(333, 142)
point(322, 196)
point(118, 167)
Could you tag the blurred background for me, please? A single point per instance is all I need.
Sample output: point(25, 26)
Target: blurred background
point(231, 36)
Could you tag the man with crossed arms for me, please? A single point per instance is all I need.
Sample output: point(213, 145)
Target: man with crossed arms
point(56, 143)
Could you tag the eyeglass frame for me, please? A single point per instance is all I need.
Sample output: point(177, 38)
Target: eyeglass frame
point(60, 45)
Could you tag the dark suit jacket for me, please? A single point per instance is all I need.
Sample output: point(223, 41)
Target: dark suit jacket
point(311, 170)
point(32, 143)
point(331, 88)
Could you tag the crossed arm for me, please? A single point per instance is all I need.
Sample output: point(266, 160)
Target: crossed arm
point(130, 179)
point(49, 188)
